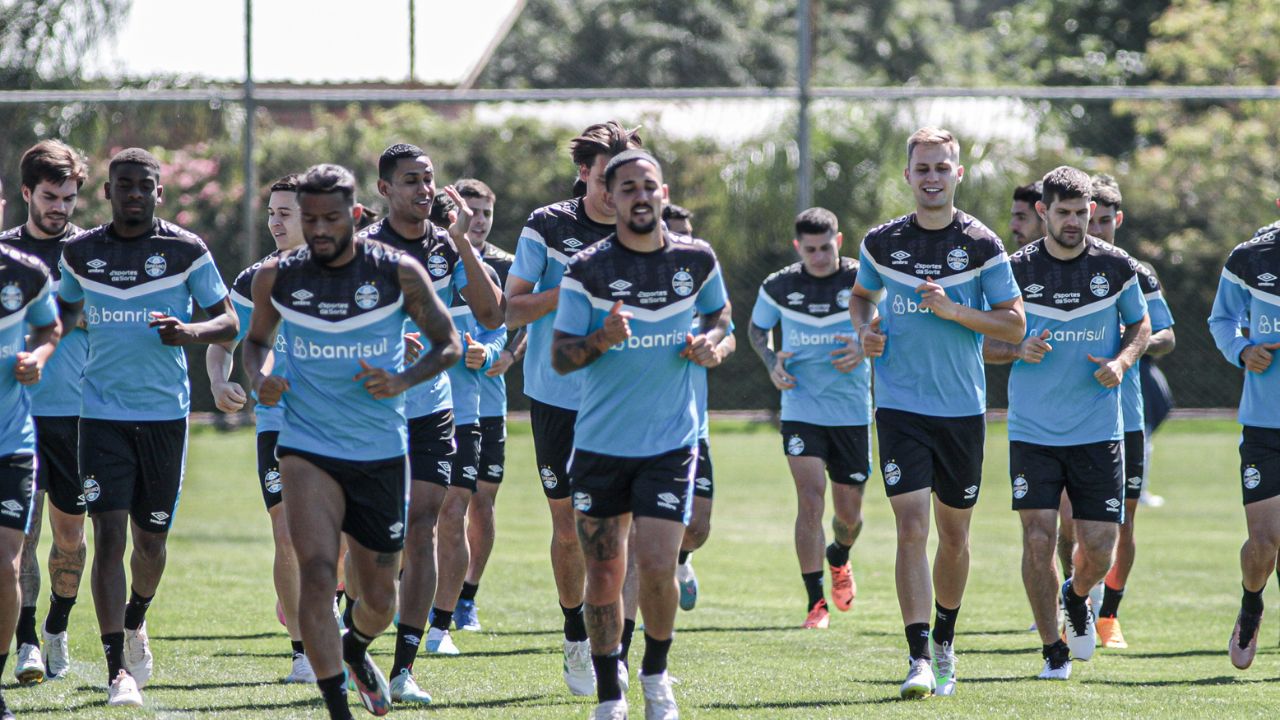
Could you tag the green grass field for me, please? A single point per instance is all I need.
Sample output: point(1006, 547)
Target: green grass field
point(219, 650)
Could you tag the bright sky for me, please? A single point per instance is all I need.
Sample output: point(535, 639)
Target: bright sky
point(302, 40)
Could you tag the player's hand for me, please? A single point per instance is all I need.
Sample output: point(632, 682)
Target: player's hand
point(848, 357)
point(871, 339)
point(172, 331)
point(782, 379)
point(28, 368)
point(1109, 371)
point(380, 383)
point(1257, 358)
point(413, 347)
point(461, 222)
point(501, 364)
point(474, 355)
point(617, 326)
point(1034, 347)
point(270, 390)
point(700, 351)
point(934, 297)
point(229, 396)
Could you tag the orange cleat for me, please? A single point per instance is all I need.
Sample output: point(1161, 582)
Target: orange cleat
point(843, 587)
point(1110, 635)
point(819, 618)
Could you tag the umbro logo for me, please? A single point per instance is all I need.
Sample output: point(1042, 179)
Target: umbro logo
point(1033, 290)
point(11, 507)
point(495, 470)
point(159, 517)
point(1266, 278)
point(445, 466)
point(900, 257)
point(668, 500)
point(302, 295)
point(397, 529)
point(413, 640)
point(573, 243)
point(1113, 505)
point(96, 264)
point(971, 492)
point(619, 285)
point(795, 298)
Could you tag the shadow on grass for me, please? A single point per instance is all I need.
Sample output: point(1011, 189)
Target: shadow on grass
point(523, 701)
point(250, 636)
point(1172, 654)
point(756, 628)
point(495, 653)
point(520, 633)
point(785, 705)
point(210, 685)
point(1190, 682)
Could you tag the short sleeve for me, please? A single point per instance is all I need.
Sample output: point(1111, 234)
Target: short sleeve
point(998, 284)
point(573, 315)
point(765, 314)
point(531, 256)
point(712, 295)
point(43, 309)
point(69, 288)
point(1132, 304)
point(868, 277)
point(205, 283)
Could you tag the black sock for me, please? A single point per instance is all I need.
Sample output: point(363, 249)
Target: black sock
point(334, 692)
point(1111, 598)
point(348, 614)
point(135, 613)
point(607, 686)
point(440, 619)
point(407, 641)
point(1077, 607)
point(813, 586)
point(113, 648)
point(1057, 653)
point(59, 613)
point(1251, 603)
point(298, 651)
point(1069, 596)
point(683, 557)
point(469, 591)
point(837, 554)
point(944, 624)
point(575, 624)
point(354, 645)
point(655, 656)
point(4, 660)
point(628, 631)
point(26, 631)
point(918, 640)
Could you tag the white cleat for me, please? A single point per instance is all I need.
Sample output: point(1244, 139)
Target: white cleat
point(137, 654)
point(1082, 637)
point(944, 668)
point(123, 691)
point(920, 682)
point(611, 710)
point(659, 701)
point(1057, 666)
point(440, 642)
point(302, 672)
point(57, 656)
point(579, 674)
point(30, 668)
point(404, 689)
point(1095, 599)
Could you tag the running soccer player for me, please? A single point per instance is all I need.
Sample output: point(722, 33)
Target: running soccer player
point(1103, 223)
point(52, 175)
point(627, 305)
point(1245, 323)
point(932, 271)
point(344, 301)
point(550, 238)
point(1025, 224)
point(285, 227)
point(1065, 434)
point(135, 279)
point(826, 401)
point(678, 219)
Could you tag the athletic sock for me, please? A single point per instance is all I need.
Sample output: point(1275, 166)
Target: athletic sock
point(1250, 615)
point(59, 613)
point(628, 631)
point(813, 585)
point(1077, 608)
point(837, 554)
point(407, 641)
point(4, 660)
point(944, 624)
point(683, 557)
point(575, 624)
point(918, 640)
point(113, 649)
point(135, 613)
point(607, 685)
point(440, 619)
point(655, 656)
point(354, 645)
point(1251, 603)
point(1111, 598)
point(1057, 654)
point(348, 613)
point(296, 646)
point(334, 691)
point(26, 630)
point(469, 591)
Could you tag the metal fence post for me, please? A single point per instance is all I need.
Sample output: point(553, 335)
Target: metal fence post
point(250, 222)
point(804, 173)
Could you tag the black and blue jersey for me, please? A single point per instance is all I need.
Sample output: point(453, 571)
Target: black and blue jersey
point(464, 382)
point(266, 417)
point(493, 390)
point(1249, 297)
point(26, 298)
point(1161, 319)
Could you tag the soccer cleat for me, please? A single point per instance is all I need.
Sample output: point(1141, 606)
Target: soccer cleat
point(944, 668)
point(369, 683)
point(123, 691)
point(1095, 600)
point(137, 654)
point(1150, 499)
point(610, 710)
point(843, 587)
point(819, 617)
point(920, 682)
point(1244, 639)
point(1057, 664)
point(465, 617)
point(579, 674)
point(302, 672)
point(440, 642)
point(659, 701)
point(1082, 634)
point(624, 677)
point(688, 582)
point(30, 668)
point(1109, 634)
point(404, 689)
point(57, 658)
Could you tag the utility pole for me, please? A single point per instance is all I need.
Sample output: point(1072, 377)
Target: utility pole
point(413, 27)
point(804, 174)
point(250, 221)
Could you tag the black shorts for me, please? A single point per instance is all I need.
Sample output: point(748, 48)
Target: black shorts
point(1092, 474)
point(17, 488)
point(658, 486)
point(493, 448)
point(376, 494)
point(846, 449)
point(134, 465)
point(552, 446)
point(1259, 463)
point(431, 447)
point(1135, 465)
point(58, 473)
point(944, 454)
point(466, 464)
point(704, 475)
point(269, 469)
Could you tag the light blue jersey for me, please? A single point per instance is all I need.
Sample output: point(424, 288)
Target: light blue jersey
point(638, 398)
point(464, 382)
point(1249, 297)
point(1082, 302)
point(130, 374)
point(26, 298)
point(267, 417)
point(1161, 319)
point(493, 390)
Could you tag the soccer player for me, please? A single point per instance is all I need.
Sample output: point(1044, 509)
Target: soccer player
point(678, 219)
point(52, 175)
point(1064, 433)
point(406, 179)
point(344, 301)
point(826, 401)
point(932, 271)
point(285, 226)
point(1025, 224)
point(1245, 322)
point(551, 237)
point(135, 279)
point(1103, 223)
point(624, 320)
